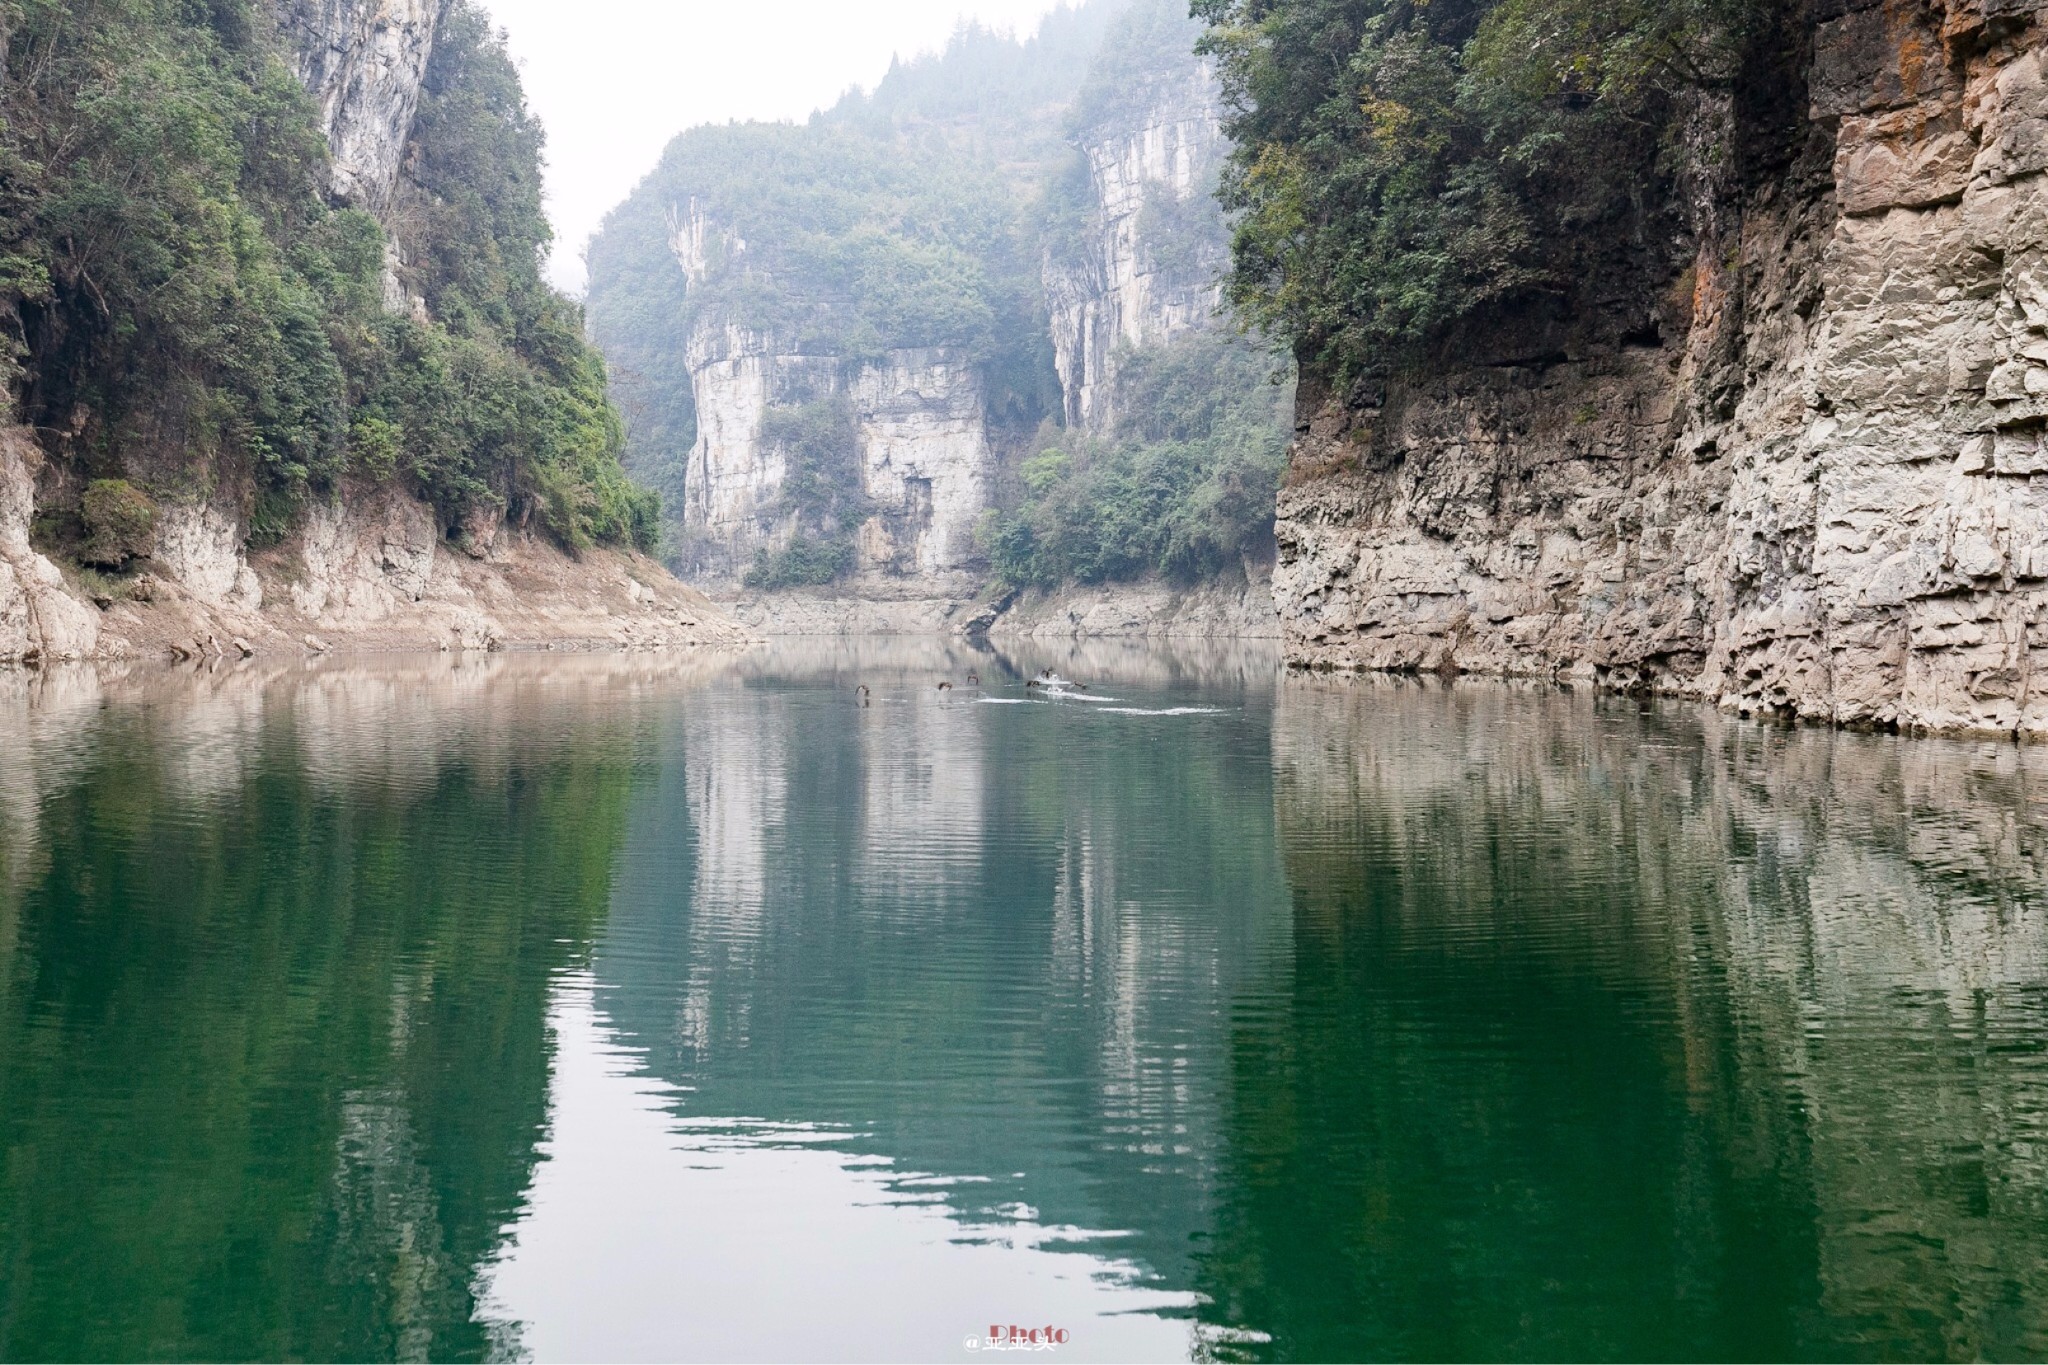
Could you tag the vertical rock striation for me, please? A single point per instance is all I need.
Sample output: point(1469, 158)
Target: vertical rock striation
point(1819, 492)
point(1135, 263)
point(1150, 247)
point(39, 620)
point(918, 425)
point(917, 421)
point(363, 62)
point(926, 461)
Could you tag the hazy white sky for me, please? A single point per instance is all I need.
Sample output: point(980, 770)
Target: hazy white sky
point(614, 80)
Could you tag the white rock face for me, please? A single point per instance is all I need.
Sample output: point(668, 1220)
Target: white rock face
point(38, 618)
point(200, 549)
point(916, 419)
point(365, 563)
point(924, 461)
point(1148, 269)
point(701, 245)
point(1862, 537)
point(732, 482)
point(363, 61)
point(922, 441)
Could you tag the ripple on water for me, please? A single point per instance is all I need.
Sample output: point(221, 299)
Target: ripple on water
point(613, 1008)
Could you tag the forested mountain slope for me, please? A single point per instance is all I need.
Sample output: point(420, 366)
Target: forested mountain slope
point(1694, 347)
point(274, 329)
point(962, 327)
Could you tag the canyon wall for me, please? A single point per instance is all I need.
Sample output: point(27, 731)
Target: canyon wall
point(1128, 258)
point(366, 565)
point(1818, 493)
point(363, 62)
point(1151, 247)
point(916, 418)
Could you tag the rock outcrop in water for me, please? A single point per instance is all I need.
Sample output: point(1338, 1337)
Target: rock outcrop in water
point(1813, 491)
point(39, 617)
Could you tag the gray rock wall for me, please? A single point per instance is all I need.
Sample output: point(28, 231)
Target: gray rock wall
point(1152, 246)
point(39, 619)
point(363, 62)
point(1826, 499)
point(925, 458)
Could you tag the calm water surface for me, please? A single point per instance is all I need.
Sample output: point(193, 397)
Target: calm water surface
point(618, 1009)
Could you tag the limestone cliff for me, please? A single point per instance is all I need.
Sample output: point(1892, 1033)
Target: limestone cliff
point(769, 296)
point(916, 420)
point(366, 557)
point(1816, 490)
point(1143, 265)
point(363, 62)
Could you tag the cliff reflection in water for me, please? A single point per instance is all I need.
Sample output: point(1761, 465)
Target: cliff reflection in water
point(1646, 1035)
point(1344, 1019)
point(275, 960)
point(986, 941)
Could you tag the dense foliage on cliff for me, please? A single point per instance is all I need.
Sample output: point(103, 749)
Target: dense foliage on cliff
point(1183, 486)
point(932, 213)
point(1404, 170)
point(987, 93)
point(891, 220)
point(183, 310)
point(839, 244)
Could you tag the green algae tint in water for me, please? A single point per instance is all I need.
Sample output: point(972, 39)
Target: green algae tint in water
point(685, 1010)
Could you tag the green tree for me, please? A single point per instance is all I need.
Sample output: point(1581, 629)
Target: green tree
point(180, 306)
point(1405, 171)
point(1182, 486)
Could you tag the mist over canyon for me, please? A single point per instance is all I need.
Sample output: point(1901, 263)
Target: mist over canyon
point(966, 328)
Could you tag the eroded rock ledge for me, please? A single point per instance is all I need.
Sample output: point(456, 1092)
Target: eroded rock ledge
point(369, 570)
point(1825, 497)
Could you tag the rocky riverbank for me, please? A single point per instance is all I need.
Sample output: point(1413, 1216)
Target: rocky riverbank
point(1818, 493)
point(365, 572)
point(1232, 608)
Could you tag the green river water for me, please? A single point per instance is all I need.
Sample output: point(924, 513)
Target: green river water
point(632, 1008)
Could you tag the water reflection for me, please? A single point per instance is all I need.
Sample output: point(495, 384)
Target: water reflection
point(1667, 1036)
point(636, 1007)
point(273, 1010)
point(752, 1240)
point(995, 943)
